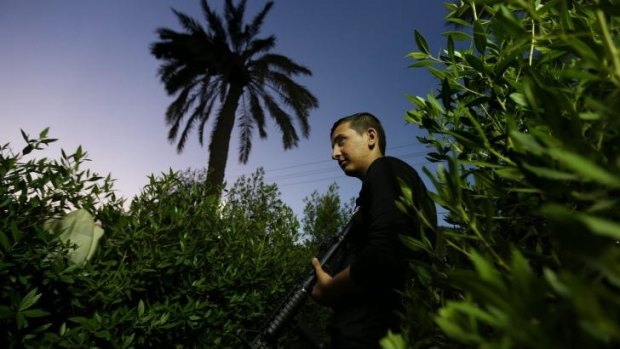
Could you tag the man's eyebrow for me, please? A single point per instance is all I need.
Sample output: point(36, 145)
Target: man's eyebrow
point(337, 138)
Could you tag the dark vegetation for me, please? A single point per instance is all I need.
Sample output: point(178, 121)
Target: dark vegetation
point(524, 124)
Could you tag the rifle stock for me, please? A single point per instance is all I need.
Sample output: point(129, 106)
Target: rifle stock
point(267, 337)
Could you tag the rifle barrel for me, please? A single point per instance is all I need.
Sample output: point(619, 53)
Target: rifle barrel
point(299, 296)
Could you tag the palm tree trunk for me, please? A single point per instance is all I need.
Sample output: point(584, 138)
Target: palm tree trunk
point(220, 140)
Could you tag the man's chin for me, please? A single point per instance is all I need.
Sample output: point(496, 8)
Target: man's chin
point(350, 172)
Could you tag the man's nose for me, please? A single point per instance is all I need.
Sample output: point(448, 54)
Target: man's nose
point(335, 153)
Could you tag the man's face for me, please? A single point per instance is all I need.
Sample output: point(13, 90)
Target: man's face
point(352, 150)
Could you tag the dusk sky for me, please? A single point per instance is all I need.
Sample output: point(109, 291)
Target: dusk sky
point(84, 69)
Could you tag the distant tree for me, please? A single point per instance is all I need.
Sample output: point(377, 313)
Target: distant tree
point(226, 66)
point(325, 215)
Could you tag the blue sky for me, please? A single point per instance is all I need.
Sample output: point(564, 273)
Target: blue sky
point(83, 68)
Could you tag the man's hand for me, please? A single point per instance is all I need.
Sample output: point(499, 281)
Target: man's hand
point(328, 289)
point(320, 291)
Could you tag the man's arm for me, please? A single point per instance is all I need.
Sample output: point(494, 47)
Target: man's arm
point(328, 289)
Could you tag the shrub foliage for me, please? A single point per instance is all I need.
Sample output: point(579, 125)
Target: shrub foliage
point(175, 269)
point(525, 126)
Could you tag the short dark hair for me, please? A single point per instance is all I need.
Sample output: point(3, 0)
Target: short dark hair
point(361, 122)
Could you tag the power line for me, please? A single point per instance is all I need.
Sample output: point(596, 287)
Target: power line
point(302, 174)
point(330, 160)
point(297, 175)
point(316, 180)
point(406, 155)
point(336, 178)
point(332, 169)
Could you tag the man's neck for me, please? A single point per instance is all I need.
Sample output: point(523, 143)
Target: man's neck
point(372, 161)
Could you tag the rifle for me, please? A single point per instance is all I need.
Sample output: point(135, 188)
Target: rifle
point(297, 296)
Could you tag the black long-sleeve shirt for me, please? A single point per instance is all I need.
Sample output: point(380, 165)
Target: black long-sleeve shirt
point(377, 258)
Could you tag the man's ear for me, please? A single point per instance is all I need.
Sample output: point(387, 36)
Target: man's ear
point(373, 138)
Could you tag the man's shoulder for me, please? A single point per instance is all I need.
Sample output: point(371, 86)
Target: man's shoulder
point(390, 165)
point(388, 173)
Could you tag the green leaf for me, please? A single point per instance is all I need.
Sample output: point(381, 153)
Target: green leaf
point(128, 340)
point(451, 328)
point(419, 64)
point(29, 300)
point(506, 24)
point(43, 133)
point(582, 49)
point(417, 100)
point(432, 101)
point(475, 63)
point(418, 55)
point(477, 101)
point(415, 244)
point(21, 321)
point(519, 99)
point(600, 226)
point(450, 47)
point(485, 269)
point(480, 37)
point(4, 241)
point(437, 73)
point(553, 280)
point(35, 313)
point(140, 308)
point(79, 153)
point(525, 190)
point(459, 21)
point(526, 142)
point(597, 225)
point(550, 173)
point(510, 173)
point(467, 139)
point(457, 36)
point(482, 164)
point(421, 42)
point(590, 116)
point(78, 319)
point(474, 311)
point(522, 272)
point(25, 136)
point(27, 149)
point(446, 93)
point(393, 341)
point(584, 167)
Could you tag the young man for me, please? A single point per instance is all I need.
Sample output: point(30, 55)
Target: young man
point(364, 294)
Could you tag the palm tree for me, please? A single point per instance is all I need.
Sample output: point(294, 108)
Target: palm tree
point(227, 67)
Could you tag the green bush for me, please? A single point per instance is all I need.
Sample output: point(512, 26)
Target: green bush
point(36, 278)
point(526, 119)
point(176, 269)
